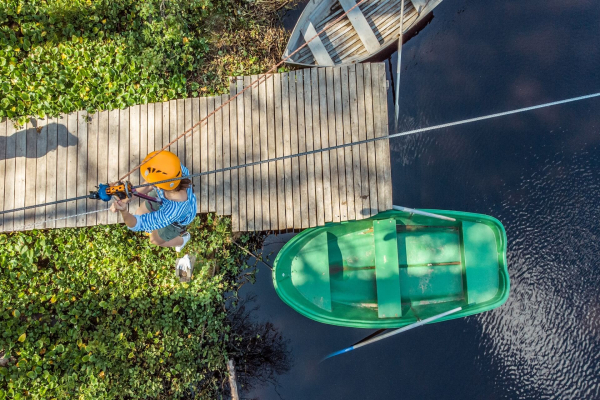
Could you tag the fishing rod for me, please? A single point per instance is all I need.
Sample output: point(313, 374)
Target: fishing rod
point(106, 191)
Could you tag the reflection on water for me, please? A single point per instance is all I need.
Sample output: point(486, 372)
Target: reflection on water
point(538, 173)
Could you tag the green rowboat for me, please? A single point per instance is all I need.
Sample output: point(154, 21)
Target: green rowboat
point(395, 269)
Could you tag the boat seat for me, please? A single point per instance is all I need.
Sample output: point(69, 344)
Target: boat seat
point(316, 46)
point(481, 262)
point(387, 270)
point(361, 26)
point(311, 273)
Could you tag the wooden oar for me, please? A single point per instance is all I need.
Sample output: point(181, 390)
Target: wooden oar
point(423, 213)
point(392, 333)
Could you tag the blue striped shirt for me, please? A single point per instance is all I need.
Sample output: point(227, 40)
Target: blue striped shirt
point(181, 212)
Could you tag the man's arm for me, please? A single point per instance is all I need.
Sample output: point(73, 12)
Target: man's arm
point(121, 206)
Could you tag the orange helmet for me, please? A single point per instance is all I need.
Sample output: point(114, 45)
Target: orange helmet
point(165, 165)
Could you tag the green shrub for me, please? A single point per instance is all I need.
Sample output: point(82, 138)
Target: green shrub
point(97, 313)
point(58, 56)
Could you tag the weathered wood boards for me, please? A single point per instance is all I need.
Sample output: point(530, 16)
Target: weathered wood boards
point(283, 115)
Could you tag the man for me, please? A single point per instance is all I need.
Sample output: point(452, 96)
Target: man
point(164, 221)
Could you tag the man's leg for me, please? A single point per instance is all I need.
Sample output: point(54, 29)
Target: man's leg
point(158, 241)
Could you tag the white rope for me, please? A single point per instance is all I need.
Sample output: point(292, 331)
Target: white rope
point(26, 227)
point(395, 135)
point(501, 114)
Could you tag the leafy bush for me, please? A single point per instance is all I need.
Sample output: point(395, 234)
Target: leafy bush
point(97, 313)
point(57, 56)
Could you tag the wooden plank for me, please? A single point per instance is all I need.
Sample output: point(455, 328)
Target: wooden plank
point(92, 168)
point(241, 156)
point(257, 144)
point(387, 168)
point(377, 73)
point(72, 141)
point(146, 132)
point(146, 138)
point(355, 149)
point(310, 145)
point(103, 164)
point(370, 131)
point(329, 117)
point(212, 179)
point(360, 24)
point(134, 151)
point(3, 145)
point(362, 135)
point(147, 118)
point(293, 111)
point(218, 156)
point(226, 156)
point(113, 155)
point(347, 139)
point(316, 46)
point(302, 160)
point(123, 150)
point(273, 142)
point(189, 138)
point(339, 137)
point(266, 128)
point(10, 177)
point(327, 197)
point(234, 150)
point(279, 145)
point(204, 154)
point(173, 131)
point(196, 149)
point(30, 173)
point(51, 167)
point(40, 179)
point(61, 169)
point(288, 204)
point(158, 124)
point(249, 138)
point(316, 134)
point(179, 130)
point(165, 125)
point(82, 163)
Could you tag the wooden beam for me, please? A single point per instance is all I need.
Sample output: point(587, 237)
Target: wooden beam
point(361, 26)
point(316, 46)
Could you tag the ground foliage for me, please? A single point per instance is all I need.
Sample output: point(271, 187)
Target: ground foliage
point(97, 313)
point(58, 56)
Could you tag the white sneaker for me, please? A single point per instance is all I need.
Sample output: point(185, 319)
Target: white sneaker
point(186, 237)
point(185, 268)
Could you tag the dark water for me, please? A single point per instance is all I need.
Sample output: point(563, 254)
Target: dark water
point(539, 173)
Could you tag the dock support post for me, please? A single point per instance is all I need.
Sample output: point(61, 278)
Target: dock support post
point(232, 380)
point(397, 105)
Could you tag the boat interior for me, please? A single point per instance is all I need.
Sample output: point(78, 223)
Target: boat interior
point(364, 31)
point(430, 265)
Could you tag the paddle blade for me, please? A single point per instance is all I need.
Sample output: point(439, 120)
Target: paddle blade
point(337, 353)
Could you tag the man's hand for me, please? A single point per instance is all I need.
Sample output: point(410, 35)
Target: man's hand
point(119, 205)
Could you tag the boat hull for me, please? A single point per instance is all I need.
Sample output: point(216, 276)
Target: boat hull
point(394, 269)
point(341, 41)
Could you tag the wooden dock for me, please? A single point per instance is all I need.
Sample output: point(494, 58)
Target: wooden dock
point(289, 113)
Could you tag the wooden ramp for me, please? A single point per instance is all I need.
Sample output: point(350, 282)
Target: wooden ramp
point(290, 113)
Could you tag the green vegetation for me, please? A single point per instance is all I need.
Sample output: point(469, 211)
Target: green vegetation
point(97, 313)
point(58, 56)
